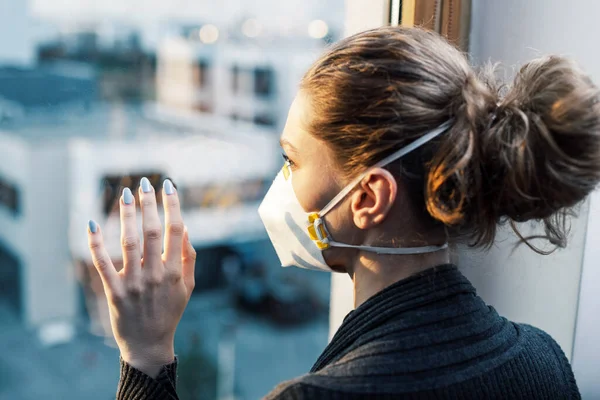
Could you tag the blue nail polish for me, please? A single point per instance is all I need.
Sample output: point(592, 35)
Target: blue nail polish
point(93, 226)
point(127, 196)
point(146, 187)
point(168, 187)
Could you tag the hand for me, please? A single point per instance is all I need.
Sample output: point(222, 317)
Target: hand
point(148, 296)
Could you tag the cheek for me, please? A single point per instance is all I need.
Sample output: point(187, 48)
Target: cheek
point(340, 224)
point(313, 189)
point(306, 192)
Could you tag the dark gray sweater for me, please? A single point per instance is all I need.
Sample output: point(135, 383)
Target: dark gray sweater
point(426, 337)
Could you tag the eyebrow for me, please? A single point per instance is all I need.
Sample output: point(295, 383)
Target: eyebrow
point(286, 143)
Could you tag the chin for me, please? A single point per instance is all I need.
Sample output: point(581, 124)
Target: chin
point(335, 262)
point(338, 268)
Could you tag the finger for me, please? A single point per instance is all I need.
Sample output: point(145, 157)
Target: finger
point(101, 260)
point(173, 225)
point(151, 227)
point(188, 258)
point(130, 239)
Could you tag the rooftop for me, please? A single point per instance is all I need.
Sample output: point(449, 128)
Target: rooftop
point(48, 86)
point(124, 122)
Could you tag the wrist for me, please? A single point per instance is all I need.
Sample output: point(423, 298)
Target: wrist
point(149, 360)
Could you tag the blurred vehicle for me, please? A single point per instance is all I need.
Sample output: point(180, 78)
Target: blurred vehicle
point(281, 299)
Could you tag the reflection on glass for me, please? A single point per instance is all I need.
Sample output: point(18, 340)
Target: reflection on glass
point(224, 194)
point(93, 97)
point(112, 186)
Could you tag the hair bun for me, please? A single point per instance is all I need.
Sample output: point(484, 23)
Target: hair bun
point(542, 151)
point(531, 155)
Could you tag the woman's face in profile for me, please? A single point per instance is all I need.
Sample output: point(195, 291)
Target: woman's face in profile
point(311, 160)
point(316, 177)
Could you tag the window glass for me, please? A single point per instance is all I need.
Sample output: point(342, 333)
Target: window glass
point(95, 95)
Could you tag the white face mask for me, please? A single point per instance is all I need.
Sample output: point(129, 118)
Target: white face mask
point(299, 237)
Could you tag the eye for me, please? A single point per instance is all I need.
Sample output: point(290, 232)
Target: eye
point(287, 160)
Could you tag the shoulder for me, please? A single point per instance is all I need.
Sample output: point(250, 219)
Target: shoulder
point(536, 338)
point(309, 386)
point(544, 351)
point(296, 388)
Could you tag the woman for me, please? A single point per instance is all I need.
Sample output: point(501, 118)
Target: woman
point(393, 147)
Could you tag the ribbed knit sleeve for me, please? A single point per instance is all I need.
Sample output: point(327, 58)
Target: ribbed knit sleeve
point(569, 377)
point(135, 385)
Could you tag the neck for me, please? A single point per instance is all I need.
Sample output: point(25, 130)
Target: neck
point(372, 272)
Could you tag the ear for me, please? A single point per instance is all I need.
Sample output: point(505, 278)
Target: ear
point(374, 198)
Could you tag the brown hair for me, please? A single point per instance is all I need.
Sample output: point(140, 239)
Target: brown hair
point(531, 152)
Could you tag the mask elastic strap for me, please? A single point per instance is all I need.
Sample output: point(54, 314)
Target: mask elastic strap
point(392, 250)
point(389, 159)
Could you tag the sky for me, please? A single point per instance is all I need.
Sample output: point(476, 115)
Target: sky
point(53, 16)
point(210, 10)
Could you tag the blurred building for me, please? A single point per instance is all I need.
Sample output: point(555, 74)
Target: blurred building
point(221, 97)
point(64, 166)
point(47, 88)
point(239, 76)
point(32, 250)
point(16, 42)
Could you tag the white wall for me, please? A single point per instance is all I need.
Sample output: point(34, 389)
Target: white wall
point(16, 46)
point(546, 291)
point(523, 286)
point(586, 346)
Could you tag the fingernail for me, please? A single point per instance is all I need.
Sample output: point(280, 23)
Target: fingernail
point(93, 226)
point(146, 187)
point(127, 196)
point(168, 186)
